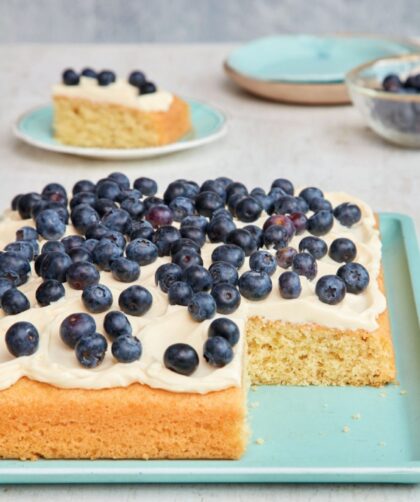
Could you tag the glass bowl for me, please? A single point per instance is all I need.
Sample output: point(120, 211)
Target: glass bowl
point(393, 116)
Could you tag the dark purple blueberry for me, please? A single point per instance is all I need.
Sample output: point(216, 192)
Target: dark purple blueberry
point(82, 274)
point(75, 326)
point(49, 292)
point(167, 274)
point(116, 324)
point(5, 284)
point(284, 184)
point(219, 228)
point(88, 72)
point(83, 186)
point(227, 297)
point(181, 207)
point(217, 351)
point(263, 261)
point(342, 250)
point(289, 285)
point(224, 180)
point(26, 234)
point(413, 82)
point(225, 328)
point(187, 257)
point(126, 349)
point(208, 202)
point(105, 252)
point(54, 192)
point(222, 271)
point(284, 256)
point(119, 220)
point(200, 222)
point(121, 179)
point(243, 239)
point(265, 201)
point(255, 286)
point(104, 206)
point(14, 301)
point(129, 193)
point(289, 204)
point(15, 202)
point(348, 214)
point(214, 186)
point(71, 242)
point(275, 194)
point(26, 203)
point(320, 223)
point(235, 188)
point(300, 222)
point(305, 264)
point(313, 245)
point(37, 263)
point(330, 289)
point(49, 225)
point(97, 298)
point(137, 78)
point(133, 206)
point(83, 216)
point(142, 230)
point(310, 193)
point(275, 237)
point(230, 253)
point(198, 277)
point(176, 189)
point(115, 237)
point(159, 216)
point(106, 77)
point(142, 251)
point(55, 266)
point(89, 245)
point(135, 300)
point(148, 88)
point(90, 350)
point(355, 277)
point(22, 248)
point(180, 293)
point(50, 246)
point(248, 209)
point(184, 243)
point(164, 237)
point(392, 83)
point(220, 213)
point(88, 198)
point(202, 306)
point(22, 339)
point(233, 201)
point(147, 186)
point(14, 267)
point(318, 203)
point(257, 233)
point(125, 270)
point(181, 358)
point(194, 234)
point(282, 221)
point(70, 77)
point(152, 201)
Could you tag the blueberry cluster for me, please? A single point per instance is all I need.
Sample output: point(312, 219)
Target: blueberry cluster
point(107, 77)
point(393, 83)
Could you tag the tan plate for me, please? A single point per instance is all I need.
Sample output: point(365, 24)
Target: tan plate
point(302, 94)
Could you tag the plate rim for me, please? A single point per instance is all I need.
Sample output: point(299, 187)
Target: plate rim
point(123, 153)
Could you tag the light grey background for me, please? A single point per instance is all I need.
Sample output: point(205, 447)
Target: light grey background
point(198, 20)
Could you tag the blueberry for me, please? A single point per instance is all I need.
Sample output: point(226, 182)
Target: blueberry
point(49, 292)
point(54, 192)
point(55, 266)
point(280, 220)
point(348, 214)
point(218, 351)
point(126, 349)
point(26, 203)
point(129, 193)
point(186, 257)
point(235, 188)
point(200, 222)
point(225, 328)
point(289, 284)
point(22, 339)
point(318, 203)
point(108, 189)
point(70, 77)
point(15, 202)
point(80, 198)
point(330, 289)
point(214, 186)
point(310, 193)
point(83, 216)
point(148, 88)
point(82, 274)
point(177, 189)
point(49, 225)
point(14, 267)
point(105, 252)
point(275, 194)
point(313, 245)
point(51, 246)
point(26, 234)
point(147, 186)
point(22, 248)
point(75, 326)
point(142, 251)
point(153, 201)
point(265, 201)
point(243, 239)
point(135, 300)
point(320, 223)
point(159, 216)
point(121, 179)
point(164, 237)
point(229, 253)
point(222, 271)
point(255, 286)
point(90, 350)
point(219, 228)
point(233, 201)
point(116, 324)
point(284, 184)
point(106, 77)
point(97, 298)
point(263, 261)
point(248, 209)
point(38, 263)
point(89, 245)
point(193, 233)
point(208, 202)
point(72, 242)
point(88, 72)
point(300, 222)
point(202, 306)
point(14, 301)
point(119, 220)
point(342, 250)
point(133, 206)
point(136, 78)
point(5, 284)
point(185, 243)
point(355, 277)
point(198, 277)
point(167, 274)
point(83, 186)
point(276, 237)
point(284, 256)
point(180, 293)
point(181, 207)
point(226, 296)
point(289, 204)
point(392, 83)
point(305, 264)
point(142, 230)
point(99, 232)
point(181, 358)
point(80, 254)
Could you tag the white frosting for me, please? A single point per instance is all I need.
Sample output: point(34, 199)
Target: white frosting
point(119, 93)
point(165, 324)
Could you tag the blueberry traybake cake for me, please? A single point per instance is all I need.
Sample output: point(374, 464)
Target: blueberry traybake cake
point(98, 110)
point(132, 323)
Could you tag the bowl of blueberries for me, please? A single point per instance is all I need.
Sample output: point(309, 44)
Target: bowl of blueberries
point(387, 93)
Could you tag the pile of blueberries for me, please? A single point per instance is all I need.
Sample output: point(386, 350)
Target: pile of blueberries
point(121, 228)
point(106, 77)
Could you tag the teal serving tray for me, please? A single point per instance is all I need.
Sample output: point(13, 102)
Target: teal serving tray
point(310, 434)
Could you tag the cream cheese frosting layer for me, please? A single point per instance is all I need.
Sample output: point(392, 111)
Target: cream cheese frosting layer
point(119, 93)
point(164, 324)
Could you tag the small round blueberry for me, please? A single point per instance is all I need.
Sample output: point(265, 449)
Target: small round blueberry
point(167, 274)
point(160, 215)
point(255, 286)
point(181, 358)
point(70, 77)
point(125, 270)
point(227, 298)
point(88, 72)
point(97, 298)
point(181, 207)
point(225, 328)
point(22, 339)
point(207, 202)
point(14, 302)
point(342, 250)
point(106, 77)
point(148, 88)
point(263, 261)
point(248, 209)
point(186, 257)
point(193, 233)
point(200, 222)
point(320, 223)
point(198, 277)
point(49, 292)
point(355, 277)
point(164, 238)
point(146, 186)
point(126, 349)
point(180, 293)
point(23, 248)
point(310, 193)
point(318, 203)
point(219, 228)
point(135, 300)
point(72, 242)
point(82, 274)
point(313, 245)
point(275, 237)
point(257, 233)
point(330, 289)
point(136, 78)
point(119, 220)
point(55, 266)
point(284, 184)
point(105, 252)
point(284, 256)
point(50, 225)
point(289, 285)
point(222, 271)
point(116, 324)
point(305, 264)
point(348, 214)
point(14, 267)
point(142, 251)
point(243, 239)
point(26, 234)
point(90, 350)
point(218, 351)
point(76, 326)
point(202, 306)
point(300, 222)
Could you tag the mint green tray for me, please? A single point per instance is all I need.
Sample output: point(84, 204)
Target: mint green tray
point(303, 427)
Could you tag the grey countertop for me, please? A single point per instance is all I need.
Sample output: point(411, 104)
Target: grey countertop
point(328, 147)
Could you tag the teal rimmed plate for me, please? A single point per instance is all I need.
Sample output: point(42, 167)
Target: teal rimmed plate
point(208, 125)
